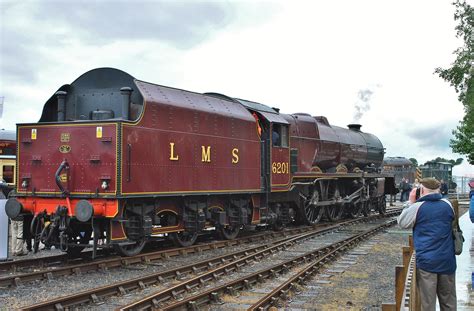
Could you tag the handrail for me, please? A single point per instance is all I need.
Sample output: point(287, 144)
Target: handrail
point(62, 166)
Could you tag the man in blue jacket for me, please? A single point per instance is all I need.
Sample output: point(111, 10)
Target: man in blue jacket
point(431, 218)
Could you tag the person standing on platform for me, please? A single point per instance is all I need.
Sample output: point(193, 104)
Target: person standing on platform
point(18, 242)
point(405, 190)
point(431, 218)
point(444, 189)
point(27, 232)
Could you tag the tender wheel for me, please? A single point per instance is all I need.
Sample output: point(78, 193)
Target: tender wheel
point(228, 232)
point(37, 230)
point(183, 239)
point(133, 229)
point(312, 212)
point(81, 237)
point(132, 249)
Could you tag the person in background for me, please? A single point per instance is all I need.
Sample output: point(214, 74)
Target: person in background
point(471, 200)
point(27, 232)
point(18, 243)
point(405, 189)
point(431, 218)
point(444, 189)
point(16, 226)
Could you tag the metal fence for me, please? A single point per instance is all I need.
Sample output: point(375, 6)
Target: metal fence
point(462, 183)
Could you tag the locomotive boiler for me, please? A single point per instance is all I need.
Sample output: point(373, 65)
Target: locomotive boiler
point(118, 161)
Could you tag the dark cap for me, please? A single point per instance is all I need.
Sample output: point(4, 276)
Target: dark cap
point(430, 183)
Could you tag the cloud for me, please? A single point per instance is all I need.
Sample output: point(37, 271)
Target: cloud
point(434, 137)
point(32, 31)
point(180, 23)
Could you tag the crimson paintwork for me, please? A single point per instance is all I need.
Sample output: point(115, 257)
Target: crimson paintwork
point(91, 160)
point(190, 121)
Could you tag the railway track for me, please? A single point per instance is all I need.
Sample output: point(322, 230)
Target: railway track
point(47, 268)
point(172, 298)
point(205, 272)
point(53, 261)
point(65, 267)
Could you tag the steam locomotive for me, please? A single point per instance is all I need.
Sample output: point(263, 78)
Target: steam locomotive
point(118, 161)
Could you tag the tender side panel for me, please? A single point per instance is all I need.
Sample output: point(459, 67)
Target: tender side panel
point(89, 149)
point(188, 142)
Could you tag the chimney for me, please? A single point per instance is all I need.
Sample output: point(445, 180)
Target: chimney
point(61, 105)
point(354, 127)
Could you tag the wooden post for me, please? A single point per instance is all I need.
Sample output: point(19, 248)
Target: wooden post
point(415, 302)
point(388, 307)
point(406, 259)
point(399, 285)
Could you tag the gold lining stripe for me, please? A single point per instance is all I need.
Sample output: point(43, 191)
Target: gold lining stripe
point(200, 191)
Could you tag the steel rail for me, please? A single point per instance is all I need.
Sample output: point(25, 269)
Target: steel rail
point(149, 280)
point(160, 277)
point(319, 257)
point(41, 262)
point(145, 258)
point(157, 300)
point(283, 291)
point(14, 266)
point(149, 258)
point(94, 295)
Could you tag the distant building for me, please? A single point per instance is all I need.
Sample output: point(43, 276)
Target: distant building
point(439, 170)
point(401, 167)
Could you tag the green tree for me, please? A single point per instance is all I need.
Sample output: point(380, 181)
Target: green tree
point(461, 77)
point(453, 162)
point(414, 161)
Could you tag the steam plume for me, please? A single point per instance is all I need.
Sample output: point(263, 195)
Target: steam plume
point(362, 104)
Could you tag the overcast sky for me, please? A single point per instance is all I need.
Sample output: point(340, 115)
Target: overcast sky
point(368, 61)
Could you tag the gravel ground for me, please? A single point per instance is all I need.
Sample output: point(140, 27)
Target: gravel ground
point(30, 293)
point(364, 285)
point(246, 299)
point(34, 292)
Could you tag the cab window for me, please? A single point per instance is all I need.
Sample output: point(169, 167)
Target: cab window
point(280, 135)
point(7, 171)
